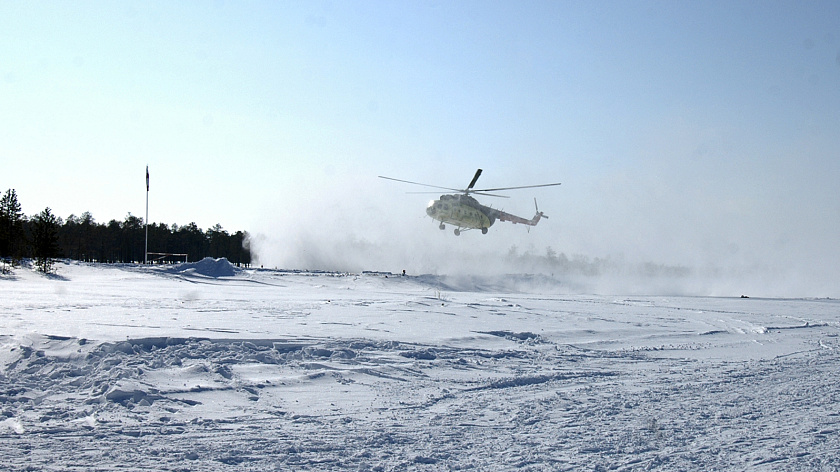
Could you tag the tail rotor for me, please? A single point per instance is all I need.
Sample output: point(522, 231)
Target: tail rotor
point(539, 213)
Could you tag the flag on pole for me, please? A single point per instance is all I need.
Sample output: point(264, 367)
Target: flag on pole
point(146, 255)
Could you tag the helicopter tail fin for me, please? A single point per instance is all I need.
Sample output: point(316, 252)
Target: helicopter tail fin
point(537, 216)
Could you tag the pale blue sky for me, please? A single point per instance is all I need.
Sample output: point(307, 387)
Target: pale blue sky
point(676, 127)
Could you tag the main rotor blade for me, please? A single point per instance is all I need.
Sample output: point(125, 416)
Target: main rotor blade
point(514, 188)
point(475, 178)
point(418, 183)
point(471, 193)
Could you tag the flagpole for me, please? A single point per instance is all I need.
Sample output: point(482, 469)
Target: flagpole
point(146, 253)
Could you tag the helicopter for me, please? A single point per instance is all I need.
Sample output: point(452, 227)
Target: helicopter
point(465, 213)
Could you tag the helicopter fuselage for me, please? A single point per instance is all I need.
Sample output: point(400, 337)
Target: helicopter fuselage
point(462, 211)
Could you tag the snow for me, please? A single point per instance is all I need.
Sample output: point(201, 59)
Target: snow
point(207, 267)
point(204, 366)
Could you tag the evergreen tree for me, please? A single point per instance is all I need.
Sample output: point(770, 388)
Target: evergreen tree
point(131, 247)
point(87, 239)
point(45, 240)
point(192, 241)
point(11, 225)
point(218, 240)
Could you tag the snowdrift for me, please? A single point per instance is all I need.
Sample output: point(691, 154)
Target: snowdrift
point(208, 267)
point(190, 367)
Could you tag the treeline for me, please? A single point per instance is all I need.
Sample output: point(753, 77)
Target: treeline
point(45, 236)
point(551, 262)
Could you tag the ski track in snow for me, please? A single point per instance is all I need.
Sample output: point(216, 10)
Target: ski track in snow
point(162, 369)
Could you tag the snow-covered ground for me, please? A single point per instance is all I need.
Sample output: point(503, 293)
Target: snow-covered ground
point(203, 367)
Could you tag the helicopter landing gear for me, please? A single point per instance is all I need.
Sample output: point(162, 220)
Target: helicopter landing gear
point(457, 232)
point(442, 226)
point(483, 230)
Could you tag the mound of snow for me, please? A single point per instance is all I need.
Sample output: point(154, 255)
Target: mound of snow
point(208, 267)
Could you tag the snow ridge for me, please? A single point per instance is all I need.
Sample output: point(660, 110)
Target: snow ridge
point(146, 368)
point(214, 402)
point(207, 267)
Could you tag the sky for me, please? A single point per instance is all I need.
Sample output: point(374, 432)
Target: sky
point(699, 134)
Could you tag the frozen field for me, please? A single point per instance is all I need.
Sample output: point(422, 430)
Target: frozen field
point(202, 367)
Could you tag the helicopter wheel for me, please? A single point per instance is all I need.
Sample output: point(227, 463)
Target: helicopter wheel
point(442, 226)
point(457, 232)
point(483, 230)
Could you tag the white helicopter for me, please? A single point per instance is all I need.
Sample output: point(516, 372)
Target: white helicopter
point(464, 211)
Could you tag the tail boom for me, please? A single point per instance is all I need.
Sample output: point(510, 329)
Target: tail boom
point(502, 216)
